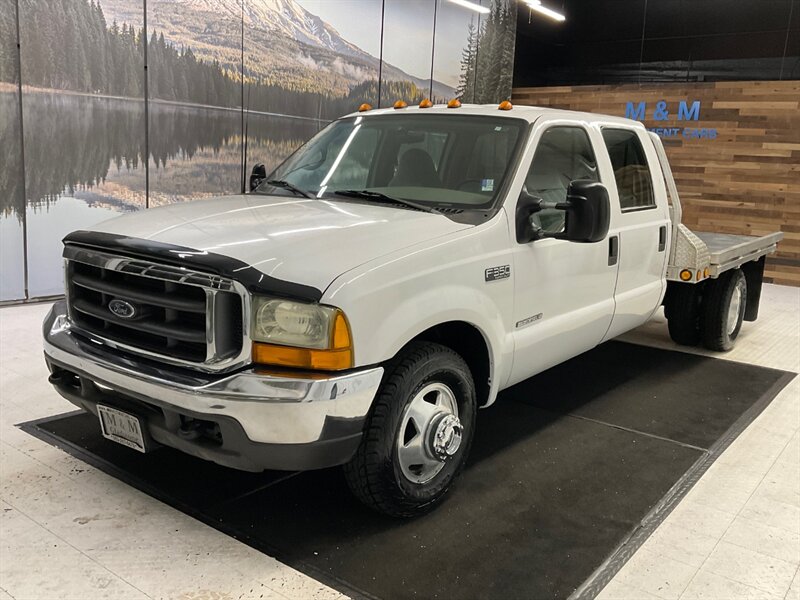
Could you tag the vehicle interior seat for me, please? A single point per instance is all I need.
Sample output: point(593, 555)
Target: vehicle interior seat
point(548, 180)
point(415, 168)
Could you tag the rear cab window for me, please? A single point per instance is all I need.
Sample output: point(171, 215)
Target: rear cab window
point(631, 169)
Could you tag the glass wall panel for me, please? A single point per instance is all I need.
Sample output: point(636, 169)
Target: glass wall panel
point(270, 139)
point(305, 65)
point(407, 40)
point(12, 198)
point(194, 83)
point(454, 56)
point(83, 116)
point(476, 50)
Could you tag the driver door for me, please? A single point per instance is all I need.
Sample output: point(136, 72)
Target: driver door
point(564, 291)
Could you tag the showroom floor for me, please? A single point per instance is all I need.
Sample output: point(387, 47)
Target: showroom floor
point(71, 531)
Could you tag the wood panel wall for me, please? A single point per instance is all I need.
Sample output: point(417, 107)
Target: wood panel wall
point(747, 180)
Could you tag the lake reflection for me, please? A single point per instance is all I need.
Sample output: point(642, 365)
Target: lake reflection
point(84, 163)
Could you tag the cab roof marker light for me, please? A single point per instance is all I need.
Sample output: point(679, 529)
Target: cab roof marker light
point(505, 105)
point(425, 103)
point(471, 6)
point(364, 107)
point(399, 104)
point(537, 6)
point(454, 103)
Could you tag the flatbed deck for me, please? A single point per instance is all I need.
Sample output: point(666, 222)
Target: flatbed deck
point(728, 251)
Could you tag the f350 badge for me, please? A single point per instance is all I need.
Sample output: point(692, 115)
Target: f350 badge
point(495, 273)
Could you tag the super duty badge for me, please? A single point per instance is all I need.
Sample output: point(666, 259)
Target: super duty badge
point(495, 273)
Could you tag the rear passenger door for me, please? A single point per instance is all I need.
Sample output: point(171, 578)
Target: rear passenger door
point(640, 218)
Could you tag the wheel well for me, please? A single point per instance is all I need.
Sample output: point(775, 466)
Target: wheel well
point(469, 343)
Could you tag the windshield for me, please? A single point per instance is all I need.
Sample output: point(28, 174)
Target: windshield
point(438, 161)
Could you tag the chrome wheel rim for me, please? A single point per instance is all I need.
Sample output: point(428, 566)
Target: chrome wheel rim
point(430, 433)
point(735, 307)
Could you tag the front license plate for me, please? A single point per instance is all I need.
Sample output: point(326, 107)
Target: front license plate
point(121, 427)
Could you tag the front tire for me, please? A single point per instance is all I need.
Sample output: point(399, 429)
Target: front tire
point(723, 307)
point(418, 434)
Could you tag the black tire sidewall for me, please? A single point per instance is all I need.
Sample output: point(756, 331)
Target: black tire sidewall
point(735, 280)
point(717, 303)
point(683, 311)
point(374, 473)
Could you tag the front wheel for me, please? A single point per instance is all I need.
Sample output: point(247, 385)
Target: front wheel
point(418, 434)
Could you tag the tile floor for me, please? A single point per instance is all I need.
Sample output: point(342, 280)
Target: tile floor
point(68, 530)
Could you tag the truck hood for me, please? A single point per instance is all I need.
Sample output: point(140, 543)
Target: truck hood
point(305, 241)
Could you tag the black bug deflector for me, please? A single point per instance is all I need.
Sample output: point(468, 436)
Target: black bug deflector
point(565, 468)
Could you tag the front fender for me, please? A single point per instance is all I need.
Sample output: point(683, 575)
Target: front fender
point(392, 300)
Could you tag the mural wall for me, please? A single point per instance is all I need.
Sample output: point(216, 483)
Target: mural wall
point(127, 105)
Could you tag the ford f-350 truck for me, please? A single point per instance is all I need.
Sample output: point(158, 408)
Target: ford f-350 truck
point(388, 279)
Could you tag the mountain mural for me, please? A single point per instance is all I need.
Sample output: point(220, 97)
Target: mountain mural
point(285, 45)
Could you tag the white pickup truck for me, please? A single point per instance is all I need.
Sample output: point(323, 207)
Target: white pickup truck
point(389, 278)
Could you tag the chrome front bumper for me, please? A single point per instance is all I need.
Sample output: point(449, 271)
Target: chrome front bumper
point(270, 408)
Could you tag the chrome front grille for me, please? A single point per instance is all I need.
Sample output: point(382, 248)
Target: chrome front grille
point(166, 312)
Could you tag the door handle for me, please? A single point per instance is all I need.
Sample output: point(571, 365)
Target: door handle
point(662, 238)
point(613, 250)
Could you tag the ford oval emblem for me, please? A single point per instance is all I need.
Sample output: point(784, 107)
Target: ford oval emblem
point(122, 309)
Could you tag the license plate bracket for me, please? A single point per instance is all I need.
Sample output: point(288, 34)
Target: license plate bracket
point(122, 427)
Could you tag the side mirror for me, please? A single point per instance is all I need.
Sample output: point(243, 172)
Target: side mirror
point(587, 208)
point(258, 175)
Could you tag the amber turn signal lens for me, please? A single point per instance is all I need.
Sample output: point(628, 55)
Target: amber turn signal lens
point(336, 358)
point(686, 275)
point(505, 105)
point(425, 103)
point(400, 104)
point(302, 358)
point(454, 103)
point(365, 107)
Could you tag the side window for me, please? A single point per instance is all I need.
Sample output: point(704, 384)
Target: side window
point(563, 155)
point(631, 171)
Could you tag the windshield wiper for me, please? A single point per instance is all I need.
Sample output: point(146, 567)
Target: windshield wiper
point(280, 183)
point(380, 197)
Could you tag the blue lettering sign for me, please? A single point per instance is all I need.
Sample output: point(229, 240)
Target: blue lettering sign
point(688, 114)
point(661, 113)
point(636, 113)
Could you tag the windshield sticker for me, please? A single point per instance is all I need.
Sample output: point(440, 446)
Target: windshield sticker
point(487, 185)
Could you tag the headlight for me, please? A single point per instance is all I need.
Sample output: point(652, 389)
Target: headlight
point(292, 323)
point(296, 334)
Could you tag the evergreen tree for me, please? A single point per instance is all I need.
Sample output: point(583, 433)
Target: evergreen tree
point(487, 59)
point(466, 82)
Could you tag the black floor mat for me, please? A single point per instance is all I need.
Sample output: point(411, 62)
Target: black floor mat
point(564, 467)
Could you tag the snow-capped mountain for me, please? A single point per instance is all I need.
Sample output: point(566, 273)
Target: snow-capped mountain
point(286, 17)
point(284, 43)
